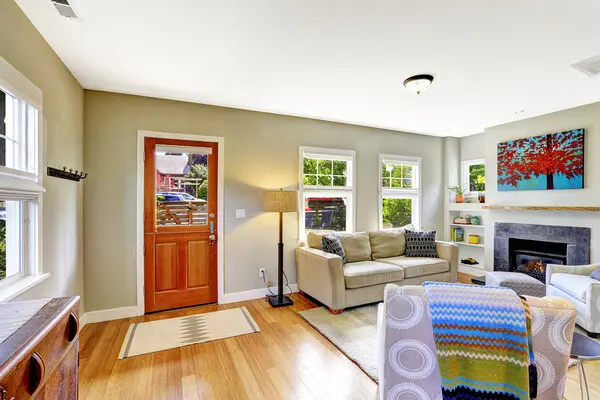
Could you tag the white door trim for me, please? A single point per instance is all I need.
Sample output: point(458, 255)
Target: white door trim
point(140, 208)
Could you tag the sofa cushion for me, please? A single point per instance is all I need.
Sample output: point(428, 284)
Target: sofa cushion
point(575, 285)
point(388, 243)
point(356, 246)
point(421, 244)
point(314, 239)
point(368, 273)
point(418, 266)
point(333, 244)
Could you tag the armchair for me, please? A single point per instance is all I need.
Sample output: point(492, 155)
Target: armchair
point(573, 282)
point(407, 361)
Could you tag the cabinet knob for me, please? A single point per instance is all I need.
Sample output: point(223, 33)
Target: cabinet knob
point(37, 371)
point(4, 394)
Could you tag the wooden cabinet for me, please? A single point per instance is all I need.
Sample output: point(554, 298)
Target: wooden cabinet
point(40, 359)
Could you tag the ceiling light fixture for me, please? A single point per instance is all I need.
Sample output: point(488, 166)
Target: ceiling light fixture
point(418, 83)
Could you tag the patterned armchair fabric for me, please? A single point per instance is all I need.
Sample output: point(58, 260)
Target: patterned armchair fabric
point(573, 282)
point(407, 356)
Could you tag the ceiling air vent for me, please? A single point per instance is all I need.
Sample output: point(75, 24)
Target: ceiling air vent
point(590, 67)
point(64, 8)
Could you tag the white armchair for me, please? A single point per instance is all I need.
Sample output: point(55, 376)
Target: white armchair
point(573, 282)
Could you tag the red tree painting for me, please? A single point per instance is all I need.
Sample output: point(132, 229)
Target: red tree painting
point(553, 161)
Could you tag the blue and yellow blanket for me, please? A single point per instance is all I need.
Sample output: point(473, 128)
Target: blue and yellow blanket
point(483, 340)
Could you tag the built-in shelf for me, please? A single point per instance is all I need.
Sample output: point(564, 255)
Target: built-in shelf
point(476, 266)
point(468, 226)
point(540, 208)
point(469, 244)
point(464, 206)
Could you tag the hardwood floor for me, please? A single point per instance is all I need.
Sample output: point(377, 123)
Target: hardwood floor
point(288, 359)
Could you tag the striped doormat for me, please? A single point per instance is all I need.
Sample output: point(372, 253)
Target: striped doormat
point(164, 334)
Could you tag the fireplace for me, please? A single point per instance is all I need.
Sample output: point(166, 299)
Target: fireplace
point(531, 256)
point(528, 248)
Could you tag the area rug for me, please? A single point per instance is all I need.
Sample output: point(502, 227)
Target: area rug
point(354, 332)
point(149, 337)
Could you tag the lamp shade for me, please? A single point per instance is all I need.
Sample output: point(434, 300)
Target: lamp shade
point(280, 201)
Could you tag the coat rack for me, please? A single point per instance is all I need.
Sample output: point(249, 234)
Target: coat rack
point(64, 174)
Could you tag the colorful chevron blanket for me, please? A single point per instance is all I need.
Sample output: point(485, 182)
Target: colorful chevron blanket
point(483, 340)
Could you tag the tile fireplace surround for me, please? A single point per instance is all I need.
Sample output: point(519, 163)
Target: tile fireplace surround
point(575, 239)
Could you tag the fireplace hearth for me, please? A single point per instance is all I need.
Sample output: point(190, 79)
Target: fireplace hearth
point(528, 248)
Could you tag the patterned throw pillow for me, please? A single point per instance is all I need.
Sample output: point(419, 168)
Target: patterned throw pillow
point(332, 244)
point(420, 244)
point(596, 275)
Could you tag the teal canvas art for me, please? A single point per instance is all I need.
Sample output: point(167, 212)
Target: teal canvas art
point(546, 162)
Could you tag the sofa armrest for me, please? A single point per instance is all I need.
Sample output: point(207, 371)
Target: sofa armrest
point(449, 252)
point(321, 275)
point(585, 270)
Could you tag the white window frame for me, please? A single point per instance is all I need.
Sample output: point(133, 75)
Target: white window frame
point(25, 187)
point(465, 165)
point(328, 191)
point(399, 193)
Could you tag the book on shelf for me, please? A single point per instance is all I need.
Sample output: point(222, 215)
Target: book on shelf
point(458, 234)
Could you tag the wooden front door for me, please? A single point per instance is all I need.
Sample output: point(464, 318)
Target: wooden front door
point(180, 223)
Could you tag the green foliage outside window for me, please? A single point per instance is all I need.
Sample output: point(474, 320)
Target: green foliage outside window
point(200, 171)
point(324, 172)
point(397, 176)
point(396, 212)
point(477, 178)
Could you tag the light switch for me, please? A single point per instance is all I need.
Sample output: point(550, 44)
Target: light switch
point(240, 213)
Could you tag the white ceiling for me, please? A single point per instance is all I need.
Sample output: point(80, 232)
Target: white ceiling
point(337, 60)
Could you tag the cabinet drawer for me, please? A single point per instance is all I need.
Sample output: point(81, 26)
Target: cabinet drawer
point(43, 356)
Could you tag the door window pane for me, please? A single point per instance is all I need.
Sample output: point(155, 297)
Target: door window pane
point(10, 238)
point(181, 188)
point(396, 212)
point(325, 213)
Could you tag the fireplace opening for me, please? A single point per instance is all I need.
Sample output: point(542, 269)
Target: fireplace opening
point(531, 256)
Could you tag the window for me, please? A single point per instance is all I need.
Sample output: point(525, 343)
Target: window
point(473, 176)
point(327, 190)
point(399, 191)
point(20, 180)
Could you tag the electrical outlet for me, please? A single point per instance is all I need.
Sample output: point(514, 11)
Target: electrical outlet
point(262, 273)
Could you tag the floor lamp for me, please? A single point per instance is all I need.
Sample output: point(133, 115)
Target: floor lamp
point(280, 201)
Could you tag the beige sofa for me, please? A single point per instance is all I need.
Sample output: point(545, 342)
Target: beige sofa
point(374, 259)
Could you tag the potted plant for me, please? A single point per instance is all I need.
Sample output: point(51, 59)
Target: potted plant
point(459, 190)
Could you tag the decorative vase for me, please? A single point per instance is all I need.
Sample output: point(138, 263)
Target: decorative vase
point(459, 198)
point(481, 197)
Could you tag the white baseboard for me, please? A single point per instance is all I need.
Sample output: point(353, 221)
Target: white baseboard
point(133, 311)
point(253, 294)
point(108, 315)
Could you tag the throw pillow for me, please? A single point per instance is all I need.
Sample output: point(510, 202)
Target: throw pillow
point(332, 244)
point(421, 244)
point(596, 275)
point(356, 246)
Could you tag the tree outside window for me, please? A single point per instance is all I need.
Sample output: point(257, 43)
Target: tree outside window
point(477, 177)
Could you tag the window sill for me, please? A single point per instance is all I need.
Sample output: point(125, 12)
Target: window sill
point(21, 286)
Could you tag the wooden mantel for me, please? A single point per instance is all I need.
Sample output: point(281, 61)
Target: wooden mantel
point(539, 208)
